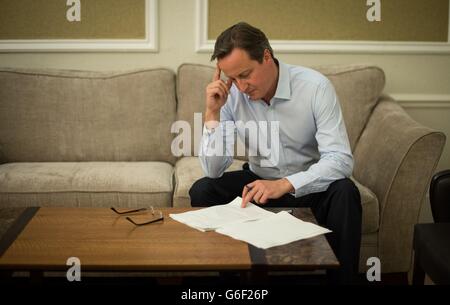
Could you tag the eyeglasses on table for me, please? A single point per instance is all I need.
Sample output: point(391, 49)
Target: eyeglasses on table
point(157, 215)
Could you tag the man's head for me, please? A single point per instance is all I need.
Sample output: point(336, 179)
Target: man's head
point(243, 36)
point(244, 54)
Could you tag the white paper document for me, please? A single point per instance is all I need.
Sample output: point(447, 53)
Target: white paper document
point(212, 218)
point(275, 230)
point(252, 224)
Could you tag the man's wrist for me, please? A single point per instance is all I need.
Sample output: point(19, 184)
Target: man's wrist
point(211, 120)
point(211, 125)
point(212, 115)
point(287, 186)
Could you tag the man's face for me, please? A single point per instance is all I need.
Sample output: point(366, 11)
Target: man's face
point(251, 77)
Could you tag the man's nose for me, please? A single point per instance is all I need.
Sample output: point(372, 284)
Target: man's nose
point(242, 85)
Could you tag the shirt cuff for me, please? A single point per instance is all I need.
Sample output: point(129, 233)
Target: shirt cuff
point(302, 183)
point(207, 131)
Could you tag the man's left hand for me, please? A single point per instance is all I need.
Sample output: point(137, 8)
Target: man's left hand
point(262, 190)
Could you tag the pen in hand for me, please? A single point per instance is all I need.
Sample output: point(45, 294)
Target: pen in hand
point(247, 188)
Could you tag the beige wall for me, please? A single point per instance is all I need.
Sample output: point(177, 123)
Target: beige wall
point(99, 20)
point(414, 77)
point(403, 20)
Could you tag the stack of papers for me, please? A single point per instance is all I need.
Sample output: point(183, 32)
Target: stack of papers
point(215, 217)
point(251, 224)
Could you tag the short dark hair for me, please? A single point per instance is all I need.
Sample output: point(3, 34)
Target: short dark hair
point(243, 36)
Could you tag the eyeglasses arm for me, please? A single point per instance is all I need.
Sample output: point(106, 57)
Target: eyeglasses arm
point(144, 223)
point(127, 212)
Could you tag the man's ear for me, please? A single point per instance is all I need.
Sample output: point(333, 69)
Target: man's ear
point(267, 55)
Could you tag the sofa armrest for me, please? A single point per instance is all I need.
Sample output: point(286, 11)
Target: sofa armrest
point(395, 157)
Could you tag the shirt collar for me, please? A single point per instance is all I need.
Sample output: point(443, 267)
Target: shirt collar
point(284, 83)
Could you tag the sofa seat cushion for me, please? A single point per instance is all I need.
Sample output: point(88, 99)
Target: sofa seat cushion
point(121, 184)
point(188, 170)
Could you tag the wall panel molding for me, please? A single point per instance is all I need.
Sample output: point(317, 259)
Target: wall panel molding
point(148, 44)
point(427, 101)
point(205, 45)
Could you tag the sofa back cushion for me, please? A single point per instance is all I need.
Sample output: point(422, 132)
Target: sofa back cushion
point(358, 88)
point(192, 80)
point(60, 115)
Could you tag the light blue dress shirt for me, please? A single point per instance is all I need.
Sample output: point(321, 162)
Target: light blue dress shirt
point(312, 150)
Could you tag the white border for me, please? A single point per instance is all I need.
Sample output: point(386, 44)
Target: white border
point(203, 45)
point(148, 44)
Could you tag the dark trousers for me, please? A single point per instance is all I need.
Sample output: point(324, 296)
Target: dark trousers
point(338, 209)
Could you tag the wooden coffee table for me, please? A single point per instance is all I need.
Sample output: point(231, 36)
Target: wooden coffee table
point(42, 239)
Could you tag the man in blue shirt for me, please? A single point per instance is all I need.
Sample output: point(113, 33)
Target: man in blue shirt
point(295, 111)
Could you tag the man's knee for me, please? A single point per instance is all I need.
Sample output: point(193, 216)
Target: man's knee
point(345, 185)
point(345, 188)
point(198, 189)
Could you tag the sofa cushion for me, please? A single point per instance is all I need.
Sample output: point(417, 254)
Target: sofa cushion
point(188, 170)
point(191, 85)
point(358, 88)
point(58, 115)
point(371, 208)
point(121, 184)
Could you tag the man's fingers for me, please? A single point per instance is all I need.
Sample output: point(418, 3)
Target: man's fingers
point(244, 196)
point(218, 91)
point(252, 184)
point(258, 196)
point(216, 74)
point(263, 199)
point(219, 85)
point(244, 192)
point(248, 197)
point(229, 83)
point(222, 84)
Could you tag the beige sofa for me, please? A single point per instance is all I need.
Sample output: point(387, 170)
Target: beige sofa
point(73, 138)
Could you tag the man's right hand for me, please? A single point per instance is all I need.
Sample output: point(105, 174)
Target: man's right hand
point(216, 96)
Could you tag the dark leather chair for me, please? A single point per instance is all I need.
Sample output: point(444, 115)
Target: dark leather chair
point(432, 241)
